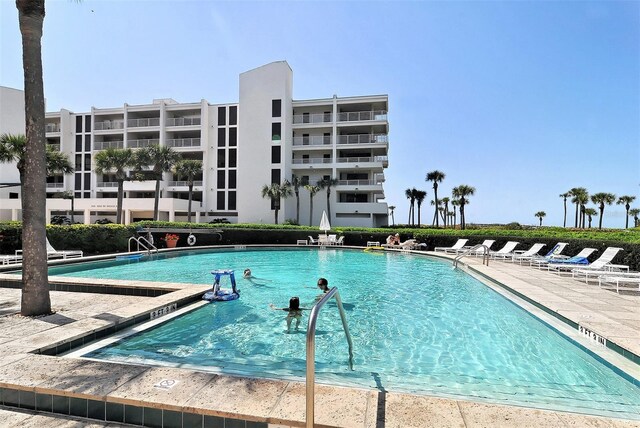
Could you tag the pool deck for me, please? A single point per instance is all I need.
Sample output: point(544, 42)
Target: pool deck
point(78, 387)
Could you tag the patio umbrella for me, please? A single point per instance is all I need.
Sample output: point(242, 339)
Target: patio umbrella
point(324, 223)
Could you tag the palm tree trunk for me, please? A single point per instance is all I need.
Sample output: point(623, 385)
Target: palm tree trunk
point(577, 208)
point(564, 223)
point(601, 215)
point(156, 201)
point(119, 204)
point(310, 210)
point(328, 203)
point(540, 221)
point(435, 197)
point(275, 213)
point(393, 221)
point(35, 287)
point(418, 215)
point(461, 215)
point(189, 205)
point(73, 209)
point(410, 208)
point(297, 207)
point(626, 222)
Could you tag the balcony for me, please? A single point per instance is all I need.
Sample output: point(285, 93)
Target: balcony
point(311, 118)
point(183, 121)
point(384, 160)
point(355, 116)
point(184, 142)
point(107, 184)
point(108, 125)
point(358, 183)
point(196, 183)
point(55, 185)
point(140, 186)
point(139, 144)
point(361, 207)
point(310, 161)
point(139, 123)
point(103, 145)
point(52, 127)
point(316, 140)
point(363, 139)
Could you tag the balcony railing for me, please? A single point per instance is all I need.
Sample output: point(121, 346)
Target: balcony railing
point(353, 116)
point(137, 123)
point(184, 142)
point(103, 145)
point(183, 121)
point(312, 161)
point(139, 144)
point(184, 183)
point(52, 127)
point(315, 140)
point(363, 139)
point(312, 118)
point(108, 124)
point(357, 182)
point(55, 185)
point(107, 184)
point(382, 159)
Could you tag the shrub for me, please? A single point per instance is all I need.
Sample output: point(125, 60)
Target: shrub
point(60, 220)
point(291, 221)
point(103, 221)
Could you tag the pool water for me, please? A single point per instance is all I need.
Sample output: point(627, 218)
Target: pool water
point(417, 325)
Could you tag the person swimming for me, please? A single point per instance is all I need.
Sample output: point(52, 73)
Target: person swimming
point(294, 311)
point(246, 273)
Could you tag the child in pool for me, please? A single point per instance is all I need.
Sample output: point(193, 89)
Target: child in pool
point(293, 311)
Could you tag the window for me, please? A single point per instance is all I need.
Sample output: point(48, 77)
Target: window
point(87, 143)
point(87, 181)
point(221, 137)
point(275, 176)
point(233, 137)
point(327, 116)
point(78, 195)
point(221, 159)
point(305, 117)
point(275, 154)
point(222, 116)
point(13, 195)
point(326, 138)
point(87, 195)
point(233, 115)
point(78, 183)
point(87, 123)
point(232, 181)
point(232, 200)
point(305, 180)
point(221, 201)
point(276, 108)
point(78, 143)
point(221, 180)
point(305, 139)
point(232, 158)
point(78, 123)
point(87, 162)
point(276, 131)
point(78, 166)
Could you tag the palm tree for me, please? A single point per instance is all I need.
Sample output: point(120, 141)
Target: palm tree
point(162, 159)
point(461, 192)
point(391, 209)
point(601, 199)
point(420, 195)
point(275, 192)
point(13, 149)
point(564, 197)
point(626, 200)
point(540, 215)
point(35, 281)
point(189, 169)
point(117, 161)
point(312, 192)
point(445, 204)
point(454, 204)
point(590, 212)
point(409, 193)
point(578, 194)
point(326, 183)
point(296, 182)
point(635, 212)
point(437, 177)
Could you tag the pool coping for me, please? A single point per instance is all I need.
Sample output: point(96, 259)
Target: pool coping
point(338, 402)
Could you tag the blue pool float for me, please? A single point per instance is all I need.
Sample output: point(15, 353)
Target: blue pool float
point(222, 294)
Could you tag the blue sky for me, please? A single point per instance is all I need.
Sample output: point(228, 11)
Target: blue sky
point(522, 100)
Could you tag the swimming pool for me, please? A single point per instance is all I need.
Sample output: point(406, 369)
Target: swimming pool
point(417, 326)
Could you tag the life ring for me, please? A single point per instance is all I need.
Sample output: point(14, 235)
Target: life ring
point(191, 239)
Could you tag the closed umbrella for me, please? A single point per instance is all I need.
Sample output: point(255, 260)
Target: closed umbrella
point(324, 223)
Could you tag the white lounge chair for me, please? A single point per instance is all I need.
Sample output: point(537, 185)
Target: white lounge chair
point(554, 253)
point(617, 280)
point(340, 240)
point(590, 273)
point(457, 246)
point(602, 263)
point(528, 254)
point(478, 251)
point(409, 244)
point(312, 241)
point(579, 259)
point(504, 252)
point(52, 253)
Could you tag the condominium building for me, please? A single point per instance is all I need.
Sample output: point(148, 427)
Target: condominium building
point(267, 137)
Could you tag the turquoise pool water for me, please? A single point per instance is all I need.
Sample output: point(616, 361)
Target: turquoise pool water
point(417, 326)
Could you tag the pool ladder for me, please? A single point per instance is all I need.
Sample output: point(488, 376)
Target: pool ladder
point(311, 348)
point(143, 242)
point(485, 254)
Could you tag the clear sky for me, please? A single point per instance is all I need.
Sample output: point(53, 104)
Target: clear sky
point(522, 100)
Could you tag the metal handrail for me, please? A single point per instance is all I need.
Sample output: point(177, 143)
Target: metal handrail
point(485, 255)
point(311, 348)
point(142, 242)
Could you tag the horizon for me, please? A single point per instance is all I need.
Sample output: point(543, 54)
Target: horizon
point(521, 100)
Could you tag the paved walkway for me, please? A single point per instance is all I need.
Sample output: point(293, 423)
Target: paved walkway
point(198, 395)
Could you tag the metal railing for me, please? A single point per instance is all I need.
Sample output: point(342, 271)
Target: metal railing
point(314, 140)
point(352, 116)
point(107, 184)
point(311, 348)
point(137, 123)
point(363, 139)
point(184, 183)
point(312, 118)
point(52, 127)
point(183, 121)
point(102, 145)
point(139, 144)
point(108, 124)
point(55, 185)
point(358, 182)
point(184, 142)
point(143, 242)
point(311, 160)
point(485, 254)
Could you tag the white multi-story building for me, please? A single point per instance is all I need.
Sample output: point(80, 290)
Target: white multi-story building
point(267, 137)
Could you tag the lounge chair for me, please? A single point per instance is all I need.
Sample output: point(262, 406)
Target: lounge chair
point(478, 251)
point(617, 280)
point(504, 252)
point(577, 260)
point(602, 263)
point(555, 253)
point(590, 273)
point(312, 241)
point(526, 255)
point(409, 244)
point(457, 246)
point(340, 241)
point(52, 253)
